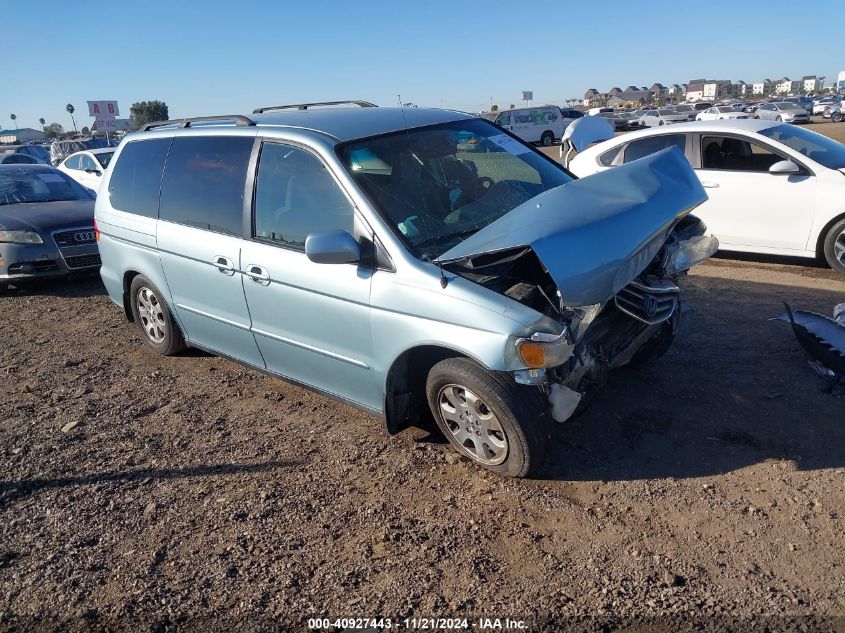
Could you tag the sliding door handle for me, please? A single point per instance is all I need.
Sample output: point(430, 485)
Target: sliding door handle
point(223, 264)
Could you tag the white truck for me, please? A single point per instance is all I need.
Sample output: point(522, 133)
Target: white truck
point(541, 124)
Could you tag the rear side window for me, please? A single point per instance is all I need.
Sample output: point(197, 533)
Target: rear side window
point(203, 184)
point(136, 179)
point(606, 159)
point(648, 146)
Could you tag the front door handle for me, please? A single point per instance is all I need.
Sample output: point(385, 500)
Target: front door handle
point(710, 185)
point(223, 264)
point(258, 274)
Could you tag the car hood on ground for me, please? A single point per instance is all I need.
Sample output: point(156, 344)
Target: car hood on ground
point(45, 217)
point(596, 234)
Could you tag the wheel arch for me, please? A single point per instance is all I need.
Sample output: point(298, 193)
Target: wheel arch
point(128, 276)
point(823, 235)
point(404, 396)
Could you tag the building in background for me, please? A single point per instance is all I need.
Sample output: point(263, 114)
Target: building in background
point(695, 90)
point(812, 84)
point(762, 88)
point(787, 86)
point(23, 135)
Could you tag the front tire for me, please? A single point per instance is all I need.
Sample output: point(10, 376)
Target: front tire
point(153, 317)
point(547, 139)
point(488, 417)
point(836, 117)
point(779, 119)
point(834, 247)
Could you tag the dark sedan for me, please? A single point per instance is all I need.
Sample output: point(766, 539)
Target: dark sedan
point(46, 224)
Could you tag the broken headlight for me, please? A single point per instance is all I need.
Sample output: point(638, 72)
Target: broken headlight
point(685, 254)
point(545, 350)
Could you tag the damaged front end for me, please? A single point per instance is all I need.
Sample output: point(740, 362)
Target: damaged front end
point(600, 258)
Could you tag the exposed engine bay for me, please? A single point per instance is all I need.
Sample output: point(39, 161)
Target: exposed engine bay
point(637, 323)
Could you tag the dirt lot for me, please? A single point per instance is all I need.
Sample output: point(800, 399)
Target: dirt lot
point(181, 493)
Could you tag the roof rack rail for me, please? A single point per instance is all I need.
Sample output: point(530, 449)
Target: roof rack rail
point(305, 106)
point(238, 119)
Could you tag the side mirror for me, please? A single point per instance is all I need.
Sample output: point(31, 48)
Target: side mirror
point(335, 247)
point(784, 168)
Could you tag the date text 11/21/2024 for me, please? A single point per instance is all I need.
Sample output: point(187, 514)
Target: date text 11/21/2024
point(430, 624)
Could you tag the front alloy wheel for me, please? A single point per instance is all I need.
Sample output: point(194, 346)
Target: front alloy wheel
point(473, 426)
point(488, 417)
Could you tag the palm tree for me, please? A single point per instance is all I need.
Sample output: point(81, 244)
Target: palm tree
point(42, 122)
point(14, 118)
point(70, 109)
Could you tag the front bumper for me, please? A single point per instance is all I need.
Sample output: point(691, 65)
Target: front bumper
point(60, 255)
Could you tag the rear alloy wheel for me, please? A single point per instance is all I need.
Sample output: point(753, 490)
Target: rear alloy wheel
point(779, 119)
point(547, 139)
point(834, 247)
point(153, 318)
point(488, 417)
point(836, 117)
point(661, 123)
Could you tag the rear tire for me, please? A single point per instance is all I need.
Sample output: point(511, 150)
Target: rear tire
point(661, 123)
point(153, 317)
point(779, 119)
point(547, 139)
point(836, 117)
point(488, 417)
point(834, 247)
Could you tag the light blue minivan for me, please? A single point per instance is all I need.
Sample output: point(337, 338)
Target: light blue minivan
point(410, 262)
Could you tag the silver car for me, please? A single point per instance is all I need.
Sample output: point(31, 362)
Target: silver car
point(410, 262)
point(782, 111)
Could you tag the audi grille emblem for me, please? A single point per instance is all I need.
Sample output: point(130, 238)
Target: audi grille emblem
point(84, 236)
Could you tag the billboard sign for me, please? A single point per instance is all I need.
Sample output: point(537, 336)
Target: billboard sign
point(103, 109)
point(527, 95)
point(112, 125)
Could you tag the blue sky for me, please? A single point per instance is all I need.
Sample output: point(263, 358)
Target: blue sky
point(223, 57)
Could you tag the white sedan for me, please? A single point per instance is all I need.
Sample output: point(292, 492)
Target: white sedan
point(87, 167)
point(662, 116)
point(719, 113)
point(773, 188)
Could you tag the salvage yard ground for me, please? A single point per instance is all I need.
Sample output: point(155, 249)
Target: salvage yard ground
point(710, 483)
point(159, 492)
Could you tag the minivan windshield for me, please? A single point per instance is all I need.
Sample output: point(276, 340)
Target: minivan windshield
point(814, 146)
point(18, 185)
point(437, 185)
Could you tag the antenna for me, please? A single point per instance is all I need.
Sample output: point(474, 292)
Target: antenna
point(443, 280)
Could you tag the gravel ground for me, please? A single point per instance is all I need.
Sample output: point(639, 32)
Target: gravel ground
point(701, 492)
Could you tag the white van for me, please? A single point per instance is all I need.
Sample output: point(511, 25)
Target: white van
point(542, 124)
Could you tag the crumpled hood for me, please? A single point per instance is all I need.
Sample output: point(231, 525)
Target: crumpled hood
point(45, 217)
point(596, 234)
